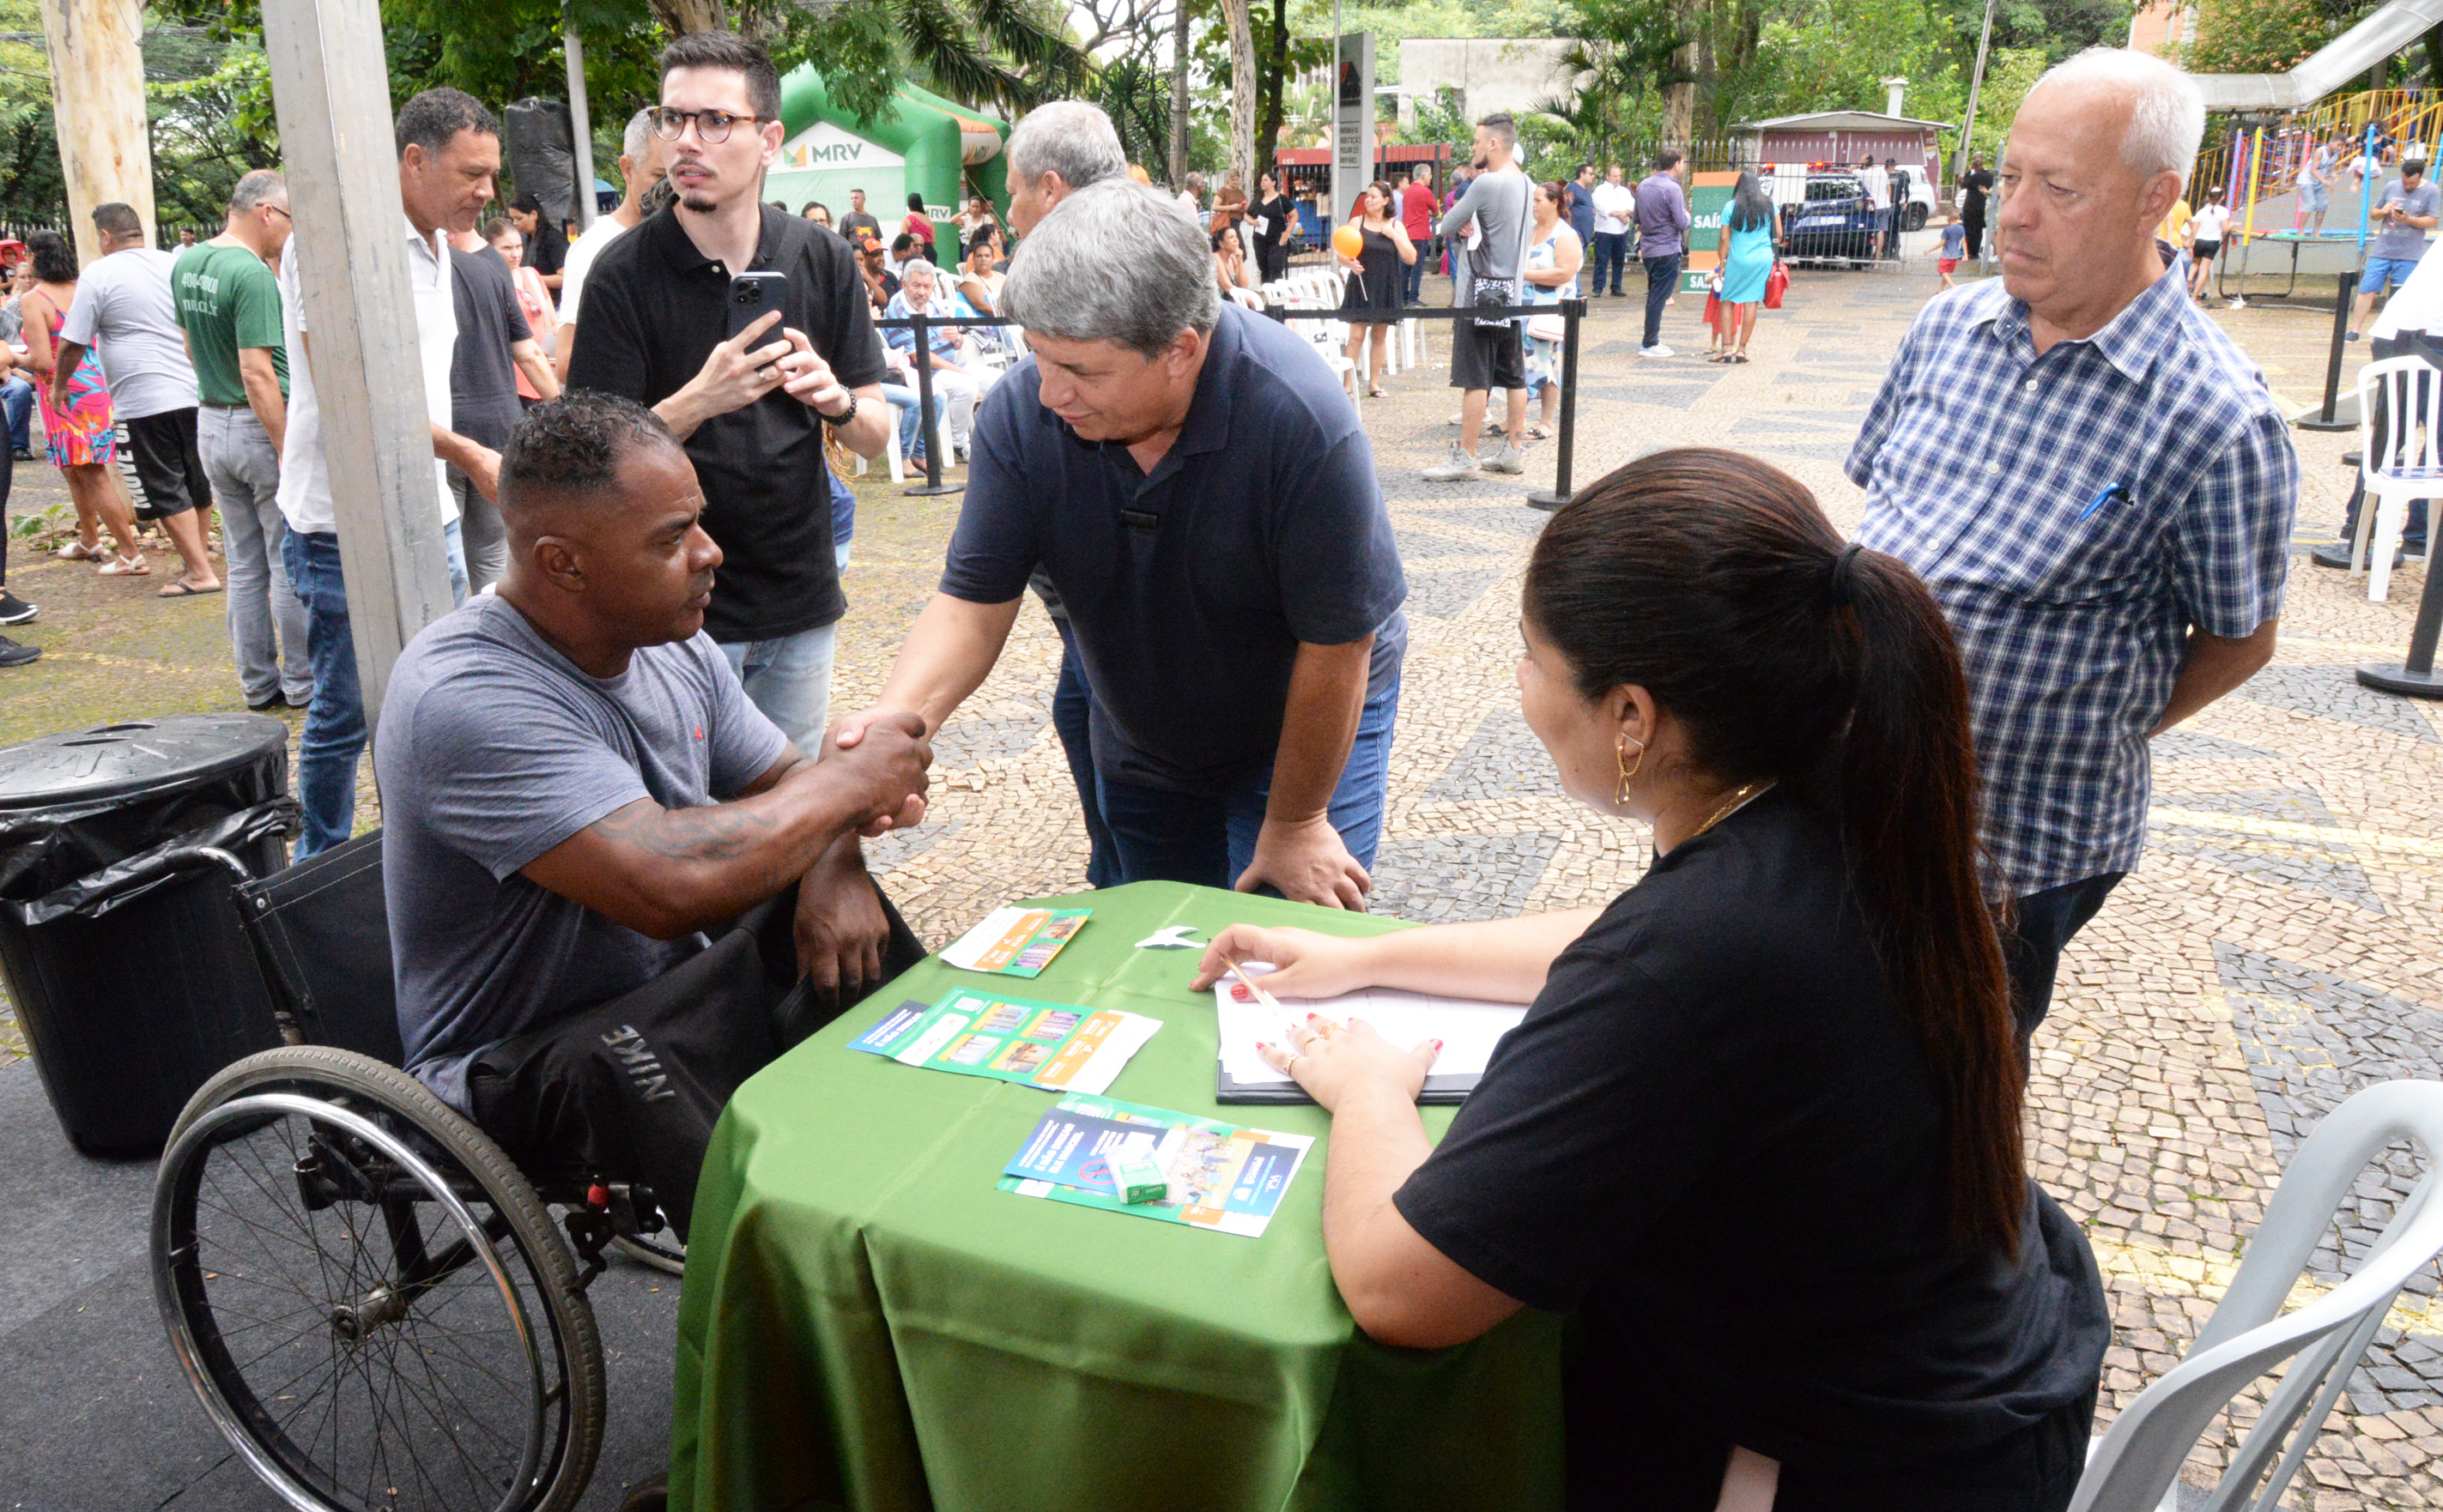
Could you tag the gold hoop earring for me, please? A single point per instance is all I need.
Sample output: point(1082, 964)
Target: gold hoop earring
point(1629, 769)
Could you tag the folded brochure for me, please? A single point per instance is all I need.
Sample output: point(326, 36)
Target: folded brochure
point(1219, 1176)
point(1059, 1045)
point(1017, 941)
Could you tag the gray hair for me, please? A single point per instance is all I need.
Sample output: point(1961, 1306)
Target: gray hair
point(1118, 263)
point(641, 132)
point(916, 266)
point(2167, 111)
point(1070, 137)
point(261, 187)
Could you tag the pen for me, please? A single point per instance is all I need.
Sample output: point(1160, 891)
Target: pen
point(1262, 997)
point(2103, 496)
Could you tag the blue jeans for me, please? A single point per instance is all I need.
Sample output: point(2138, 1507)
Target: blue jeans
point(789, 678)
point(1662, 279)
point(1413, 279)
point(904, 399)
point(1072, 711)
point(1611, 257)
point(17, 399)
point(1159, 836)
point(333, 737)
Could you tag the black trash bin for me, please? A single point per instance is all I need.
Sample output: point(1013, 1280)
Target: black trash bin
point(119, 938)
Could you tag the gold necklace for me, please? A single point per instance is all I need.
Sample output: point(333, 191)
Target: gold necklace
point(1731, 805)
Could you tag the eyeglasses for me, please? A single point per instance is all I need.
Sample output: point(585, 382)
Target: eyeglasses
point(282, 213)
point(712, 126)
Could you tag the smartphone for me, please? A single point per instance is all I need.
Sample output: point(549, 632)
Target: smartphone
point(751, 296)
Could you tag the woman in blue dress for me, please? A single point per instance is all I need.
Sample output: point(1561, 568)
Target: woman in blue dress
point(1747, 262)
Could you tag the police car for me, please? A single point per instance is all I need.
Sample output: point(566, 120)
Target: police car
point(1833, 223)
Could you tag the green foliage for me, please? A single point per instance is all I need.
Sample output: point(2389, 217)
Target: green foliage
point(2264, 36)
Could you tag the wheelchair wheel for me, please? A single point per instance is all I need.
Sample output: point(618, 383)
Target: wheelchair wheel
point(368, 1298)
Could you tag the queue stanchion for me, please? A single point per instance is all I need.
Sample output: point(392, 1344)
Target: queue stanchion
point(933, 484)
point(1553, 498)
point(2415, 677)
point(2323, 419)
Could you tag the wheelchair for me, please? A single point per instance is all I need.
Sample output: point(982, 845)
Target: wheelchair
point(371, 1299)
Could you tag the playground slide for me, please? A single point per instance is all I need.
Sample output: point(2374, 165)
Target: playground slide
point(2331, 67)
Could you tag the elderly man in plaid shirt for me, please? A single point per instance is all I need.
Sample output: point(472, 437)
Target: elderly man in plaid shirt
point(2094, 481)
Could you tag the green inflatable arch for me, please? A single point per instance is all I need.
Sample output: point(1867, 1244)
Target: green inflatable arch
point(931, 147)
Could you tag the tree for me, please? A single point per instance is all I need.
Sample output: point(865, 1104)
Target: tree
point(1243, 91)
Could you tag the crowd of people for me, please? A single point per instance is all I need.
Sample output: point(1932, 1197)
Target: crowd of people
point(1888, 779)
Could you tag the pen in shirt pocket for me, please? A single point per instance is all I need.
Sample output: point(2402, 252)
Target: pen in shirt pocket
point(2103, 496)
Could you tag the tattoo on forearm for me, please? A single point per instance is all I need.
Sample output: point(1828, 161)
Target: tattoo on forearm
point(722, 832)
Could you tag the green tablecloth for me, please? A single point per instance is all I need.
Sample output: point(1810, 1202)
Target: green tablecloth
point(869, 1322)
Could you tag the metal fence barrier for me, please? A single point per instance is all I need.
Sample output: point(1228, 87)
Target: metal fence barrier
point(1571, 311)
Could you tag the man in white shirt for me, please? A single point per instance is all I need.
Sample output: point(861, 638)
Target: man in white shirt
point(125, 312)
point(448, 155)
point(1877, 182)
point(1615, 215)
point(641, 161)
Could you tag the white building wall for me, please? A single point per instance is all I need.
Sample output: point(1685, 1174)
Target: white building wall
point(1515, 74)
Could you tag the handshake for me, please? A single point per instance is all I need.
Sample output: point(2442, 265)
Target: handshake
point(878, 759)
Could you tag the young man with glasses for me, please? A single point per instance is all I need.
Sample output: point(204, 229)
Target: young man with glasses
point(752, 411)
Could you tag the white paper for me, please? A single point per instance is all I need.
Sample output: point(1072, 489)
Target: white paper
point(1468, 1027)
point(1113, 1055)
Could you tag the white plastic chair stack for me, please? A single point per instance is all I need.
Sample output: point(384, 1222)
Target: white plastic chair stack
point(2136, 1466)
point(2411, 466)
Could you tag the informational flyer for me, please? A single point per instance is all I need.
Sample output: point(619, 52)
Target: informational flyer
point(1017, 941)
point(1219, 1176)
point(1057, 1046)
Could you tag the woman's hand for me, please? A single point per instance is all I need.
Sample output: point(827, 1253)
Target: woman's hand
point(1305, 964)
point(1331, 1060)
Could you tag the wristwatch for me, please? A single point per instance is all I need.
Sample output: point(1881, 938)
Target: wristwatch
point(842, 419)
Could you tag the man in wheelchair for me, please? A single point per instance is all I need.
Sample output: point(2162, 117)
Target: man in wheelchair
point(575, 789)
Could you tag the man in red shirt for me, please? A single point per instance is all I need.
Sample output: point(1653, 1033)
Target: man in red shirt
point(1417, 207)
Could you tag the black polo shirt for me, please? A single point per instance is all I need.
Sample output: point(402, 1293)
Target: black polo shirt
point(1715, 1137)
point(484, 405)
point(653, 313)
point(1189, 589)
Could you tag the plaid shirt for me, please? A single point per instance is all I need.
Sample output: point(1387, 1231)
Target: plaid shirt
point(1992, 472)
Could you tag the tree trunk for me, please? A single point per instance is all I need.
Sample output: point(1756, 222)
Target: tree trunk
point(1680, 98)
point(1243, 91)
point(684, 16)
point(1268, 89)
point(1178, 96)
point(97, 63)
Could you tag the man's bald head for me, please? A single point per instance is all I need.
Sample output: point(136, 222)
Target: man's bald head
point(603, 507)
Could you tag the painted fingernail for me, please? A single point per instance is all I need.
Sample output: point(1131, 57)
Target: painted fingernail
point(1310, 1018)
point(1438, 1047)
point(1239, 993)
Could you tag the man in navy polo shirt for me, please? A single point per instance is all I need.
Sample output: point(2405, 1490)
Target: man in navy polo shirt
point(1197, 487)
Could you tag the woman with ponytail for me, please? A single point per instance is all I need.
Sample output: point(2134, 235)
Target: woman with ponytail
point(1760, 1128)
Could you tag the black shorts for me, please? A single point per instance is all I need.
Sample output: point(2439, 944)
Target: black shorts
point(168, 464)
point(1486, 356)
point(629, 1090)
point(2204, 251)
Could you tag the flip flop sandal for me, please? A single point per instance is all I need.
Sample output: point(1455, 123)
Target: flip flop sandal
point(125, 567)
point(183, 589)
point(1539, 431)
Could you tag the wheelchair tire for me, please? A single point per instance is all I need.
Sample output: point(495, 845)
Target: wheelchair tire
point(432, 1348)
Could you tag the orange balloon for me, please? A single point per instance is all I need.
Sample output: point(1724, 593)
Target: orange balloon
point(1349, 242)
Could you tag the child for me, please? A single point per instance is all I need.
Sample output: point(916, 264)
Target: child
point(1948, 251)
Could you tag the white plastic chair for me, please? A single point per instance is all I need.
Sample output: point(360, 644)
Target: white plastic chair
point(2410, 466)
point(2136, 1466)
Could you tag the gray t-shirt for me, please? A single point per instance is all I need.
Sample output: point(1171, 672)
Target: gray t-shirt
point(1497, 205)
point(2407, 242)
point(493, 749)
point(124, 313)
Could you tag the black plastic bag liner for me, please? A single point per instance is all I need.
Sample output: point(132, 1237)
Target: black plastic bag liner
point(206, 848)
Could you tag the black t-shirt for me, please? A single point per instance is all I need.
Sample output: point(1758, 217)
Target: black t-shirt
point(548, 248)
point(1190, 589)
point(1281, 219)
point(483, 377)
point(1715, 1136)
point(653, 312)
point(856, 221)
point(1976, 183)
